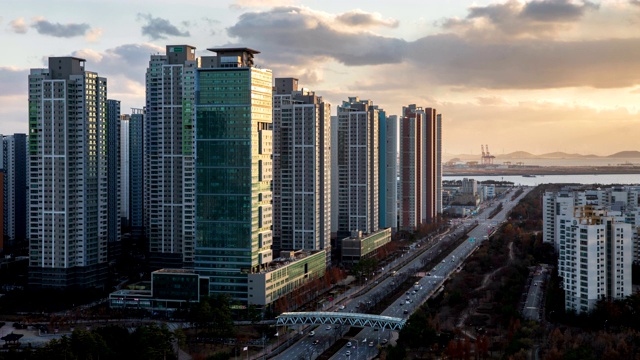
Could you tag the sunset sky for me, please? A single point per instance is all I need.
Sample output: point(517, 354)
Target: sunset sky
point(537, 76)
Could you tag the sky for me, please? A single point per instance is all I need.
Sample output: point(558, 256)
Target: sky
point(537, 76)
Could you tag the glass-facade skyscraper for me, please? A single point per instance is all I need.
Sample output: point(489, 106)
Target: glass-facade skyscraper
point(233, 170)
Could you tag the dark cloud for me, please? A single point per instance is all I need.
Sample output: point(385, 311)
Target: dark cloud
point(497, 13)
point(301, 36)
point(129, 60)
point(534, 19)
point(297, 34)
point(556, 10)
point(45, 27)
point(158, 28)
point(363, 19)
point(14, 81)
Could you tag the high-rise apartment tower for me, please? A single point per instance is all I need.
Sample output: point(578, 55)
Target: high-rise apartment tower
point(67, 175)
point(301, 167)
point(169, 160)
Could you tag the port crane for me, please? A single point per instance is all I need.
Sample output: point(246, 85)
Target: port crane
point(487, 158)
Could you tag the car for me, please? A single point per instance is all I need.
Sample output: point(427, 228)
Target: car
point(316, 342)
point(384, 341)
point(348, 353)
point(405, 312)
point(341, 307)
point(312, 333)
point(371, 344)
point(401, 303)
point(328, 327)
point(349, 344)
point(444, 261)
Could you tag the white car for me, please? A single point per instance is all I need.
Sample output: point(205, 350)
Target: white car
point(328, 327)
point(348, 353)
point(341, 307)
point(349, 344)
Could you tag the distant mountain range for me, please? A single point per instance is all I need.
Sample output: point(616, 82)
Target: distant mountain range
point(552, 155)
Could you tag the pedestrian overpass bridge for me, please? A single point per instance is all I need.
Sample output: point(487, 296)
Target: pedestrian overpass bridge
point(352, 319)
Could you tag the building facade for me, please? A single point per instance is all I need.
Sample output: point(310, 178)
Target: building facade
point(301, 168)
point(359, 246)
point(420, 167)
point(595, 257)
point(15, 187)
point(234, 170)
point(388, 171)
point(358, 166)
point(124, 171)
point(169, 160)
point(67, 176)
point(113, 176)
point(136, 159)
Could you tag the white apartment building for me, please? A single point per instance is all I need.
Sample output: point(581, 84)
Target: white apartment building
point(595, 257)
point(169, 159)
point(67, 175)
point(624, 200)
point(358, 166)
point(301, 167)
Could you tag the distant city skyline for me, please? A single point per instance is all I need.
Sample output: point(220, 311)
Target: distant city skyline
point(537, 76)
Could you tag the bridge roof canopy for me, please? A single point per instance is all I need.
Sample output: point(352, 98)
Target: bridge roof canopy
point(352, 319)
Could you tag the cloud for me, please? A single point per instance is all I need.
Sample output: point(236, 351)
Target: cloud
point(309, 38)
point(634, 2)
point(45, 27)
point(94, 35)
point(129, 60)
point(296, 34)
point(556, 10)
point(528, 64)
point(158, 28)
point(491, 100)
point(533, 19)
point(19, 26)
point(239, 4)
point(360, 18)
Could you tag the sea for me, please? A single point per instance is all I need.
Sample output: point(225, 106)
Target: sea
point(604, 179)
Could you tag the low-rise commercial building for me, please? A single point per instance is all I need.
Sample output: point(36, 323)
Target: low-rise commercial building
point(290, 271)
point(360, 246)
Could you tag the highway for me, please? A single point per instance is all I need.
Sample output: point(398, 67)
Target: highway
point(363, 346)
point(535, 294)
